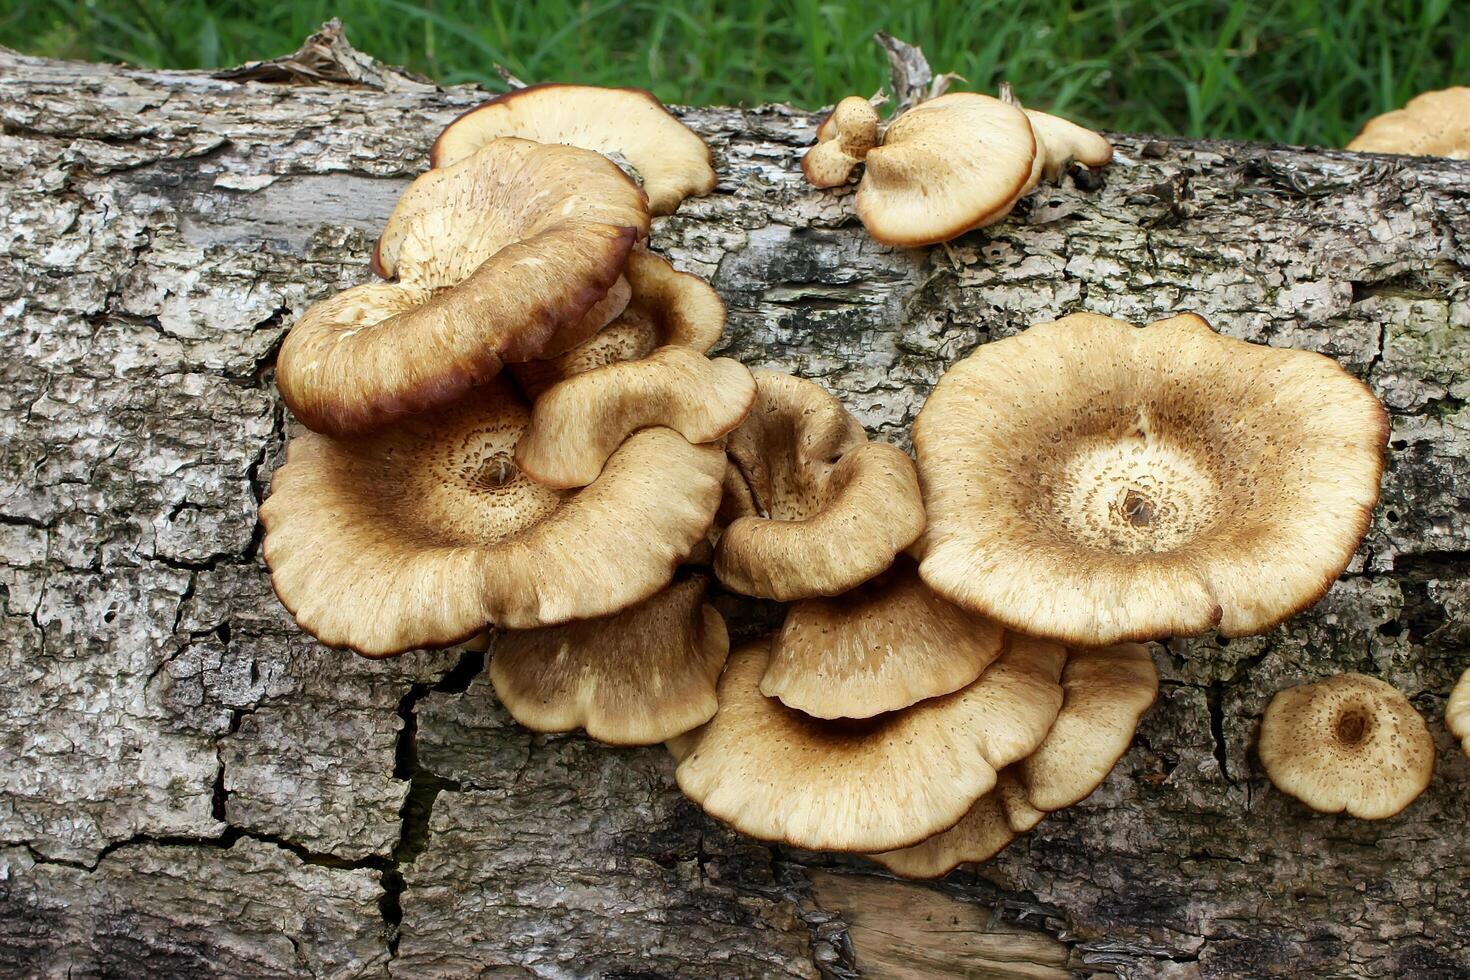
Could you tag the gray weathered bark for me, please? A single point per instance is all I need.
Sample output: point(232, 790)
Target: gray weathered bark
point(191, 784)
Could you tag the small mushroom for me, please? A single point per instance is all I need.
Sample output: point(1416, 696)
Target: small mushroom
point(843, 140)
point(833, 510)
point(488, 274)
point(1457, 712)
point(627, 123)
point(885, 645)
point(1095, 482)
point(995, 821)
point(422, 535)
point(1434, 124)
point(945, 167)
point(1059, 142)
point(872, 785)
point(1349, 742)
point(637, 677)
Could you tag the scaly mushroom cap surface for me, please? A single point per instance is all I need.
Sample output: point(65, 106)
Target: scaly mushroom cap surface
point(628, 123)
point(1350, 742)
point(833, 510)
point(1434, 124)
point(983, 832)
point(880, 647)
point(637, 677)
point(488, 274)
point(422, 535)
point(872, 785)
point(1457, 712)
point(843, 140)
point(1060, 141)
point(1106, 692)
point(1095, 482)
point(580, 422)
point(945, 167)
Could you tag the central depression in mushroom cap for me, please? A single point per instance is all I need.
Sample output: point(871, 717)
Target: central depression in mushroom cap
point(1095, 482)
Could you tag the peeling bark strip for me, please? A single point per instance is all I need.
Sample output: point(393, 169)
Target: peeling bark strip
point(191, 782)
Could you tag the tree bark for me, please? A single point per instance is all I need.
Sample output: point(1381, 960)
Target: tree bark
point(193, 787)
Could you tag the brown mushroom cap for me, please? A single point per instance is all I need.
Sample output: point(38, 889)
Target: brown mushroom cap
point(1350, 742)
point(1106, 693)
point(1095, 482)
point(984, 831)
point(1457, 712)
point(843, 140)
point(882, 646)
point(629, 123)
point(422, 535)
point(1434, 124)
point(1060, 142)
point(833, 509)
point(488, 273)
point(946, 166)
point(873, 785)
point(580, 422)
point(634, 678)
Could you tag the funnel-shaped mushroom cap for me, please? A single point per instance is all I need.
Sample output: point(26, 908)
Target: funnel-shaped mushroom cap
point(832, 509)
point(880, 647)
point(843, 139)
point(634, 678)
point(489, 274)
point(1107, 691)
point(1060, 141)
point(1095, 482)
point(1435, 124)
point(627, 123)
point(1457, 712)
point(1350, 742)
point(873, 785)
point(946, 166)
point(579, 423)
point(982, 833)
point(422, 535)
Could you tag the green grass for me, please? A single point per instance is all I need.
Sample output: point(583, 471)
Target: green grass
point(1297, 71)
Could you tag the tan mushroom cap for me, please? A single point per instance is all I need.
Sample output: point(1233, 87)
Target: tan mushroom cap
point(882, 646)
point(833, 510)
point(422, 535)
point(873, 785)
point(1095, 482)
point(1106, 693)
point(1457, 712)
point(637, 677)
point(986, 829)
point(843, 140)
point(488, 274)
point(945, 167)
point(1434, 124)
point(580, 422)
point(629, 123)
point(1350, 742)
point(1060, 141)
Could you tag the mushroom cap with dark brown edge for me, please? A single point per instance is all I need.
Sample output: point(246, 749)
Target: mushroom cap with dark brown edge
point(1434, 124)
point(1096, 482)
point(581, 421)
point(1106, 690)
point(1457, 712)
point(628, 123)
point(945, 167)
point(488, 274)
point(1350, 742)
point(833, 510)
point(843, 140)
point(872, 785)
point(637, 677)
point(1060, 142)
point(880, 647)
point(983, 832)
point(422, 535)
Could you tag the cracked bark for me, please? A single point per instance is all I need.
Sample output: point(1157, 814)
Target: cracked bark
point(193, 783)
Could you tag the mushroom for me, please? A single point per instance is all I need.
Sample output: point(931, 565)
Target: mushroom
point(1095, 482)
point(945, 167)
point(488, 274)
point(873, 785)
point(996, 820)
point(832, 508)
point(422, 535)
point(843, 140)
point(1349, 742)
point(637, 677)
point(628, 123)
point(1457, 712)
point(1060, 141)
point(1434, 124)
point(883, 646)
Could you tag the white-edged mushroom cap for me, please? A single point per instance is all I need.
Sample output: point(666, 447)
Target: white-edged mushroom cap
point(1349, 742)
point(985, 830)
point(843, 140)
point(1457, 712)
point(1434, 124)
point(1060, 141)
point(1096, 482)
